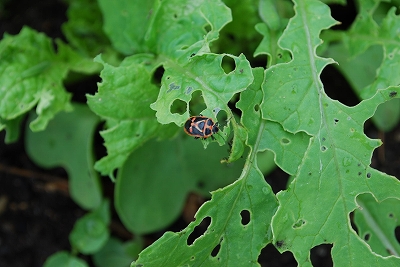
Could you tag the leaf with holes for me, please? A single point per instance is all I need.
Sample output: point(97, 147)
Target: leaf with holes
point(240, 215)
point(335, 167)
point(173, 29)
point(288, 148)
point(376, 223)
point(203, 72)
point(164, 188)
point(370, 38)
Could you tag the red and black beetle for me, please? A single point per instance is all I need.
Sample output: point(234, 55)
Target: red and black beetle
point(201, 127)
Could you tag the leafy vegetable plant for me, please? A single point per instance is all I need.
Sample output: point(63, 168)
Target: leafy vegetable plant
point(164, 61)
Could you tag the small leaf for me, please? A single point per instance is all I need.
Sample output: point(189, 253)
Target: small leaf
point(64, 259)
point(90, 233)
point(113, 254)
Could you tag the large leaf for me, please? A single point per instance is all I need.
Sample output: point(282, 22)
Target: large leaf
point(154, 182)
point(67, 142)
point(335, 168)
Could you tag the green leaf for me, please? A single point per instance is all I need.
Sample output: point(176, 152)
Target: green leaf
point(275, 18)
point(360, 71)
point(114, 253)
point(286, 84)
point(364, 33)
point(180, 28)
point(83, 29)
point(12, 128)
point(64, 259)
point(126, 22)
point(288, 148)
point(123, 100)
point(240, 30)
point(227, 230)
point(90, 233)
point(67, 142)
point(31, 75)
point(376, 223)
point(205, 73)
point(335, 168)
point(155, 180)
point(334, 171)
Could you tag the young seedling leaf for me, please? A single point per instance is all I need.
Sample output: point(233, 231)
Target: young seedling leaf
point(90, 233)
point(64, 259)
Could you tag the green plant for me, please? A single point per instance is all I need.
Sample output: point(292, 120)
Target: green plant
point(284, 109)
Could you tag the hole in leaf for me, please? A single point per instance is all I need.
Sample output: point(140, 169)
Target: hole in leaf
point(178, 106)
point(245, 214)
point(346, 14)
point(259, 61)
point(207, 28)
point(199, 230)
point(332, 80)
point(196, 104)
point(336, 121)
point(299, 223)
point(285, 141)
point(256, 107)
point(228, 64)
point(280, 243)
point(321, 255)
point(323, 148)
point(216, 249)
point(367, 236)
point(368, 175)
point(222, 118)
point(397, 233)
point(353, 225)
point(270, 256)
point(392, 94)
point(157, 75)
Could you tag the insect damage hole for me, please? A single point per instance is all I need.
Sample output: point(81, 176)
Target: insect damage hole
point(157, 75)
point(197, 101)
point(245, 215)
point(178, 106)
point(228, 64)
point(216, 249)
point(321, 255)
point(198, 231)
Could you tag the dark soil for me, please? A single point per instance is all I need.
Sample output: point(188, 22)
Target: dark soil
point(36, 213)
